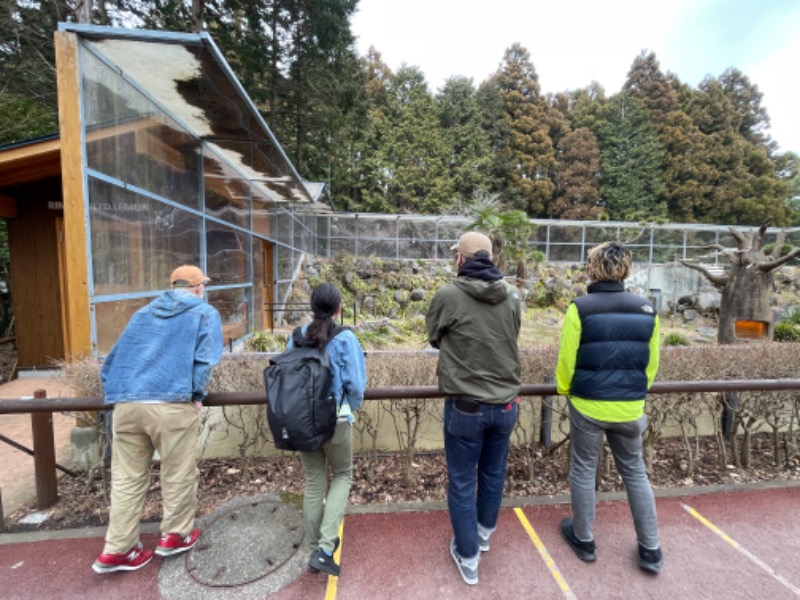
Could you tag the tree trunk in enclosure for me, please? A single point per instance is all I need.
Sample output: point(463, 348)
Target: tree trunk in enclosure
point(747, 283)
point(746, 287)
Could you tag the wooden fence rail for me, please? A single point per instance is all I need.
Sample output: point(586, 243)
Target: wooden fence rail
point(41, 409)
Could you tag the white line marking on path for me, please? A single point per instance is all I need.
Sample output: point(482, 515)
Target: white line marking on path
point(772, 572)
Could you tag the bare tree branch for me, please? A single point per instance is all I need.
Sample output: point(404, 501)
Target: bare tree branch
point(766, 267)
point(720, 280)
point(758, 240)
point(741, 241)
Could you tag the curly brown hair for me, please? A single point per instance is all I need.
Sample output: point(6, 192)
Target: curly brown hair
point(609, 261)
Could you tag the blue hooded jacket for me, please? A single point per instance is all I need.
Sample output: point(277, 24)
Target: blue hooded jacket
point(166, 352)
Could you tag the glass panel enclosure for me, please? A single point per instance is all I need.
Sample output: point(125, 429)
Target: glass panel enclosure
point(227, 194)
point(111, 319)
point(137, 241)
point(227, 255)
point(182, 170)
point(130, 139)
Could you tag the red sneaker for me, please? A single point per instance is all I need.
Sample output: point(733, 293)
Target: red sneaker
point(173, 543)
point(133, 559)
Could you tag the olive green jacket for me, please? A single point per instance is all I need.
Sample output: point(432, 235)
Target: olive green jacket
point(475, 324)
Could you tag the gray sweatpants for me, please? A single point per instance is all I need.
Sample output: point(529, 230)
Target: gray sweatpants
point(625, 441)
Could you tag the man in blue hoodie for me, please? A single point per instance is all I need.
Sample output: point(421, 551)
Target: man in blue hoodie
point(475, 323)
point(156, 376)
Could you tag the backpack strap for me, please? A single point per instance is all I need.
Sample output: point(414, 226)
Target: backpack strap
point(299, 339)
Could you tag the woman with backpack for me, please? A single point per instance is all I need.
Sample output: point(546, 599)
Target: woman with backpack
point(323, 505)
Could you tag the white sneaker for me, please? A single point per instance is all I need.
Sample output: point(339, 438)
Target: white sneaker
point(468, 574)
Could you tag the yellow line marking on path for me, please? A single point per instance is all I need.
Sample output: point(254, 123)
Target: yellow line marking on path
point(772, 572)
point(548, 560)
point(333, 581)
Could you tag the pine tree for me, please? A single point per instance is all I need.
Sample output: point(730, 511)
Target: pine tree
point(468, 144)
point(587, 108)
point(28, 94)
point(647, 83)
point(530, 152)
point(631, 162)
point(414, 151)
point(497, 130)
point(744, 184)
point(577, 178)
point(369, 172)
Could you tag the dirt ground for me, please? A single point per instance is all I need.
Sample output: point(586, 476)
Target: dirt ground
point(83, 501)
point(8, 361)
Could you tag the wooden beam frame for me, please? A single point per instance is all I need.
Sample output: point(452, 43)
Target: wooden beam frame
point(75, 293)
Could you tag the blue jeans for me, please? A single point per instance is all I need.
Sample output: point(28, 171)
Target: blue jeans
point(625, 441)
point(476, 448)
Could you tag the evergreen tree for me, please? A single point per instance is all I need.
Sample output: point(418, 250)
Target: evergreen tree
point(744, 184)
point(414, 151)
point(369, 173)
point(468, 144)
point(28, 94)
point(789, 171)
point(497, 130)
point(647, 83)
point(746, 100)
point(577, 178)
point(687, 172)
point(631, 162)
point(324, 78)
point(530, 152)
point(587, 108)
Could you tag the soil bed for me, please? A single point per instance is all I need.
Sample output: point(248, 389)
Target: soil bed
point(83, 503)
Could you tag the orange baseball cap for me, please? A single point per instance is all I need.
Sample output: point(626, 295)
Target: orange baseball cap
point(190, 274)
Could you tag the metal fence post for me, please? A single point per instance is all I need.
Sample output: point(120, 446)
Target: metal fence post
point(44, 455)
point(546, 422)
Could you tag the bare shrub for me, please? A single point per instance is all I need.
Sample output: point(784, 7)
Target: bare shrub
point(407, 414)
point(668, 413)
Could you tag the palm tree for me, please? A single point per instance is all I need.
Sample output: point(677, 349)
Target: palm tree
point(509, 230)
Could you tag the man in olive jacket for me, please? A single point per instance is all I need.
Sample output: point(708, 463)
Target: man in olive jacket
point(475, 323)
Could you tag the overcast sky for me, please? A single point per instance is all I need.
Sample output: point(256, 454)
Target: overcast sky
point(573, 42)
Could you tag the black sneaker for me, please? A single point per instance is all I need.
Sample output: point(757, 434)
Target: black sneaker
point(650, 560)
point(583, 550)
point(314, 569)
point(320, 561)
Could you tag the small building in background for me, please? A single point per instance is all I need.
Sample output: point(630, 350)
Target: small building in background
point(161, 159)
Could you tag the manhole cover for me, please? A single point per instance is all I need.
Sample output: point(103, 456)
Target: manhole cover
point(246, 543)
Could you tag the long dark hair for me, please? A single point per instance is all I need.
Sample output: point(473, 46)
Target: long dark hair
point(325, 301)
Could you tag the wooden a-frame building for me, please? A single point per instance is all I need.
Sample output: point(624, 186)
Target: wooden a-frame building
point(161, 159)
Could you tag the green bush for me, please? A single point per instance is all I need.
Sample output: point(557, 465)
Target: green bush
point(787, 331)
point(264, 341)
point(674, 339)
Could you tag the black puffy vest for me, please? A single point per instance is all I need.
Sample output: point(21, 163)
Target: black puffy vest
point(616, 328)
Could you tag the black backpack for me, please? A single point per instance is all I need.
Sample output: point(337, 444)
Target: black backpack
point(301, 411)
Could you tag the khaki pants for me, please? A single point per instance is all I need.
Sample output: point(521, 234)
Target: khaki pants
point(140, 429)
point(322, 513)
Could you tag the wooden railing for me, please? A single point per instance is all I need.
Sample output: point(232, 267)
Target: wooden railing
point(41, 409)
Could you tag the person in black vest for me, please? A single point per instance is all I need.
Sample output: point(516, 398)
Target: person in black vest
point(608, 358)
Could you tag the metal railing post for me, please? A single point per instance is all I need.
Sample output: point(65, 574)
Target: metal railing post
point(44, 455)
point(546, 422)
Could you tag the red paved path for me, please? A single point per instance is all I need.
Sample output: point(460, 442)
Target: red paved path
point(401, 555)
